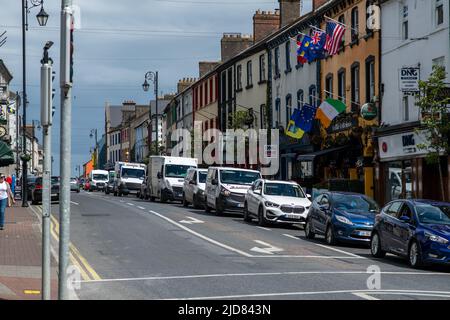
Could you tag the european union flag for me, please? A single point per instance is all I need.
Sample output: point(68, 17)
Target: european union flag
point(306, 118)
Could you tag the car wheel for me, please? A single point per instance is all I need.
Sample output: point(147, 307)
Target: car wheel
point(262, 222)
point(308, 230)
point(414, 255)
point(375, 246)
point(185, 203)
point(329, 236)
point(247, 217)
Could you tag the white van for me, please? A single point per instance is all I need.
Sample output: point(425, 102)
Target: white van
point(166, 177)
point(226, 188)
point(99, 179)
point(194, 187)
point(129, 177)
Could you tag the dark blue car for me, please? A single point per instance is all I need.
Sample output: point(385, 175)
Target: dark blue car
point(341, 216)
point(415, 229)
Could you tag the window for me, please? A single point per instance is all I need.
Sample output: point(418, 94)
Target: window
point(277, 110)
point(370, 79)
point(239, 77)
point(262, 68)
point(439, 12)
point(355, 88)
point(341, 85)
point(288, 56)
point(277, 61)
point(405, 23)
point(249, 74)
point(288, 108)
point(405, 107)
point(439, 62)
point(355, 24)
point(393, 209)
point(262, 112)
point(341, 19)
point(313, 96)
point(300, 98)
point(329, 86)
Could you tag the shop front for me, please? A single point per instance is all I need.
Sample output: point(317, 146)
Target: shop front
point(402, 171)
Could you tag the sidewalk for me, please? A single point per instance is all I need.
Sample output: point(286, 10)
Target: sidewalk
point(20, 256)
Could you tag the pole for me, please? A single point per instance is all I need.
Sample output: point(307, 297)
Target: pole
point(46, 92)
point(65, 149)
point(96, 150)
point(17, 139)
point(157, 114)
point(24, 111)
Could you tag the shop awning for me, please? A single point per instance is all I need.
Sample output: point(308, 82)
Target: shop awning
point(6, 155)
point(313, 155)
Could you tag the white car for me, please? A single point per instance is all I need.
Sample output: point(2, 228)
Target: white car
point(194, 187)
point(272, 201)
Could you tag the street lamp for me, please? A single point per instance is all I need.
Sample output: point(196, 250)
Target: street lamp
point(92, 135)
point(152, 77)
point(42, 18)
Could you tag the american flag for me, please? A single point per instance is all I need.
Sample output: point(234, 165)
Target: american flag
point(335, 32)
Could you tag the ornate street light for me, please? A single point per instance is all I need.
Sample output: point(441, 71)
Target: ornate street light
point(42, 16)
point(152, 77)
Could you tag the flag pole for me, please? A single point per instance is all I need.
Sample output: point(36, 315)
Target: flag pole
point(316, 28)
point(342, 24)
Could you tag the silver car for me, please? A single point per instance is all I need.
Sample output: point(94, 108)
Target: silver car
point(74, 185)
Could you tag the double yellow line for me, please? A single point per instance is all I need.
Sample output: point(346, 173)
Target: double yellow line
point(86, 270)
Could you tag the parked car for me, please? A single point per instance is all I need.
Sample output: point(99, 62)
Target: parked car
point(31, 181)
point(36, 191)
point(342, 216)
point(87, 185)
point(418, 230)
point(194, 188)
point(142, 193)
point(74, 185)
point(109, 187)
point(226, 188)
point(272, 201)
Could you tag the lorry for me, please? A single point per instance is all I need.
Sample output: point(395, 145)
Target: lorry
point(166, 177)
point(128, 178)
point(98, 179)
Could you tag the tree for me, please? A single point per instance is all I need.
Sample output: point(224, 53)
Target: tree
point(433, 103)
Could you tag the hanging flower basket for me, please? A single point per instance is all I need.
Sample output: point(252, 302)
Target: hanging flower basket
point(25, 157)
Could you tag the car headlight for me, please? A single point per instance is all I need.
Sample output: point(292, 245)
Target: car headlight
point(435, 238)
point(271, 204)
point(343, 220)
point(225, 192)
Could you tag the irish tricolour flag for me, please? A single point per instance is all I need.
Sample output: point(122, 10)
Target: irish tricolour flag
point(328, 110)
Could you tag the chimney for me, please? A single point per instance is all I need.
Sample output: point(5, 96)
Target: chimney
point(318, 3)
point(290, 11)
point(265, 23)
point(184, 83)
point(206, 66)
point(234, 43)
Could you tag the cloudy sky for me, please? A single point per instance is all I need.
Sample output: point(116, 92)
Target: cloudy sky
point(118, 42)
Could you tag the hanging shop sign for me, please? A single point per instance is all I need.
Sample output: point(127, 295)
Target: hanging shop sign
point(369, 111)
point(409, 79)
point(342, 123)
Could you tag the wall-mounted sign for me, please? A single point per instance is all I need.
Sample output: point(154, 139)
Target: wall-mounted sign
point(342, 123)
point(409, 79)
point(401, 145)
point(2, 131)
point(369, 111)
point(271, 151)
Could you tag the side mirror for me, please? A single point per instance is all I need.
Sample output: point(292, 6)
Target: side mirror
point(405, 219)
point(324, 207)
point(257, 192)
point(193, 182)
point(308, 196)
point(159, 176)
point(214, 182)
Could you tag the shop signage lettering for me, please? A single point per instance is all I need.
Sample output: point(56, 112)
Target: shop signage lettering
point(342, 124)
point(401, 145)
point(409, 79)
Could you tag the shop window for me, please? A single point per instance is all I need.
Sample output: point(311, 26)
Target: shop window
point(398, 180)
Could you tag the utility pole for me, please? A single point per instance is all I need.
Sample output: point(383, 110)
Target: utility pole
point(46, 121)
point(65, 152)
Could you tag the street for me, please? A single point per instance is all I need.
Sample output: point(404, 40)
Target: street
point(127, 248)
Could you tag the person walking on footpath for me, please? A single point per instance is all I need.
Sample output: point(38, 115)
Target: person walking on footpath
point(6, 199)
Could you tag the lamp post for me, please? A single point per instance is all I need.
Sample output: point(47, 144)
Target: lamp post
point(42, 18)
point(92, 135)
point(152, 77)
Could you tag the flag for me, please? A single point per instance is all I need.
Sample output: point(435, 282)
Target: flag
point(335, 32)
point(318, 41)
point(303, 50)
point(328, 110)
point(293, 127)
point(307, 115)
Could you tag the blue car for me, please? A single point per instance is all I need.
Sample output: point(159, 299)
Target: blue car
point(418, 230)
point(342, 216)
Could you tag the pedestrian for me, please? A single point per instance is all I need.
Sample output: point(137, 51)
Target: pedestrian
point(6, 199)
point(13, 185)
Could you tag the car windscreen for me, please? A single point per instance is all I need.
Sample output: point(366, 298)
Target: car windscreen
point(238, 177)
point(55, 180)
point(176, 170)
point(202, 177)
point(103, 177)
point(433, 214)
point(284, 190)
point(355, 204)
point(133, 173)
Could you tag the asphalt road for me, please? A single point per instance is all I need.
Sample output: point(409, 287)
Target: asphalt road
point(128, 248)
